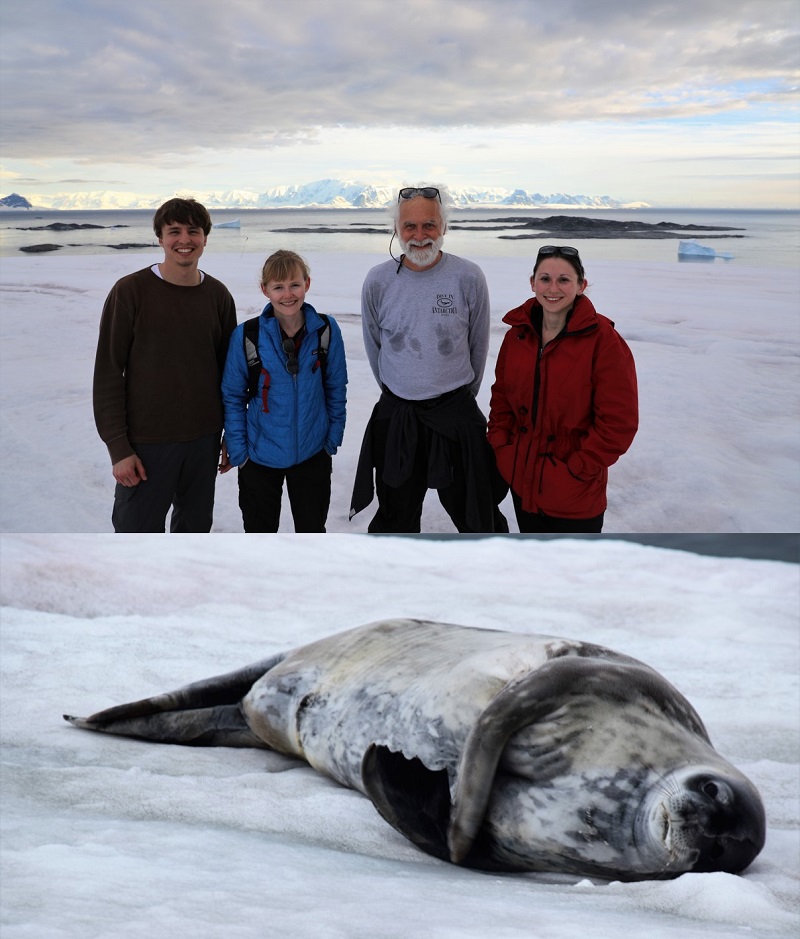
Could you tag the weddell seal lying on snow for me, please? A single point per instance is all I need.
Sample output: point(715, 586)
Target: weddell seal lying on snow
point(495, 750)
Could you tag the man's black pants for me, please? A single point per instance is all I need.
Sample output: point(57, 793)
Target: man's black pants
point(181, 475)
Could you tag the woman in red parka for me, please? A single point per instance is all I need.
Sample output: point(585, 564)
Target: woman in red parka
point(564, 403)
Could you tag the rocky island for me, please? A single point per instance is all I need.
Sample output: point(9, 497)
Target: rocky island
point(556, 225)
point(575, 227)
point(71, 226)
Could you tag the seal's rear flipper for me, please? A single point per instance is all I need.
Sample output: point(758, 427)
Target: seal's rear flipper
point(222, 726)
point(204, 714)
point(412, 798)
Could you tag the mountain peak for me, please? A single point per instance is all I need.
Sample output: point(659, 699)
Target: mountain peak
point(322, 193)
point(15, 201)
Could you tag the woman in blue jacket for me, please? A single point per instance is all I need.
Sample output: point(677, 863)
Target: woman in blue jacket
point(290, 422)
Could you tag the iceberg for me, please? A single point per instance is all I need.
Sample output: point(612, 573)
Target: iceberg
point(692, 251)
point(234, 223)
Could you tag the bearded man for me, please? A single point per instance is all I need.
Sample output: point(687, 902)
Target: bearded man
point(425, 320)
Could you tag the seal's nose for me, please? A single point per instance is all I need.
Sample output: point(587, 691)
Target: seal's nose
point(731, 823)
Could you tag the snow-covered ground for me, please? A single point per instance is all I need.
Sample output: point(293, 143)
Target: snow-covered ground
point(716, 349)
point(109, 837)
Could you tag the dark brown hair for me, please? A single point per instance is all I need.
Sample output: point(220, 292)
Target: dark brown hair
point(182, 212)
point(572, 259)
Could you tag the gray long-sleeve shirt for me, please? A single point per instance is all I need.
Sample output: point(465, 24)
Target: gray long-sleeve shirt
point(426, 332)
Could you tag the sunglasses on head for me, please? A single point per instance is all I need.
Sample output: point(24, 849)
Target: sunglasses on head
point(292, 365)
point(427, 192)
point(564, 250)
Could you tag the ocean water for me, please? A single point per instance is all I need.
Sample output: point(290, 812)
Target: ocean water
point(785, 547)
point(769, 238)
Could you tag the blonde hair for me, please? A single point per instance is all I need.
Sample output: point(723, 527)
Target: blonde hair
point(281, 266)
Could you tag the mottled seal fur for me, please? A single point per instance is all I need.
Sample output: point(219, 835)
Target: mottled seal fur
point(492, 749)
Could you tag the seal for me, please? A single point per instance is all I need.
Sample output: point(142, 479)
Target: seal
point(496, 750)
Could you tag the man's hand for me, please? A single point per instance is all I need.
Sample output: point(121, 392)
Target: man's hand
point(130, 471)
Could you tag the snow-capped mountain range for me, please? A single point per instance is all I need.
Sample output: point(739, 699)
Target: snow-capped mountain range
point(324, 193)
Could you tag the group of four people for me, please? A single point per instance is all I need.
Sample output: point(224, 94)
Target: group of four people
point(173, 368)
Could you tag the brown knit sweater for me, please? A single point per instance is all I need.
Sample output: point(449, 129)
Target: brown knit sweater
point(160, 357)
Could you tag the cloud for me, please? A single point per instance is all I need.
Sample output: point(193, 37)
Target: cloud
point(87, 80)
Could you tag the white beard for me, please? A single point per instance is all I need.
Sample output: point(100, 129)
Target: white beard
point(422, 253)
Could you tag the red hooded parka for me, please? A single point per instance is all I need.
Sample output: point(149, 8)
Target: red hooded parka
point(560, 416)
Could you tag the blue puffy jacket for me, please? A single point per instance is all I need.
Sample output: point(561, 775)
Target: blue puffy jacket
point(302, 416)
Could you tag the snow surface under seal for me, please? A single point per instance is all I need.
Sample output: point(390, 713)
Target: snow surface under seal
point(109, 837)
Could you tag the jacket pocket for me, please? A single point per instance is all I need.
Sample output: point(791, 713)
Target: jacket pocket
point(567, 442)
point(563, 494)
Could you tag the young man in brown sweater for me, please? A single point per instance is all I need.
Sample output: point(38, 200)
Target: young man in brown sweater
point(163, 339)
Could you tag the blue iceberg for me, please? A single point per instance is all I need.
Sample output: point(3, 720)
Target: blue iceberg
point(692, 251)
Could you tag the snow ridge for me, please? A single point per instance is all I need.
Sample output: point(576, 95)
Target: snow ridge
point(323, 193)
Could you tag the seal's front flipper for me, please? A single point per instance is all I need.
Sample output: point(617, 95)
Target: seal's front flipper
point(222, 726)
point(412, 798)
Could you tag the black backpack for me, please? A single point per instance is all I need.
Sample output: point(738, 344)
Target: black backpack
point(254, 365)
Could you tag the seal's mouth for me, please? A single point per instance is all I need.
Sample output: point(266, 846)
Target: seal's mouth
point(667, 835)
point(677, 824)
point(666, 846)
point(666, 827)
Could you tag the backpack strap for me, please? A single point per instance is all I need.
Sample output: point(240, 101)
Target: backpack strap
point(250, 338)
point(324, 342)
point(255, 368)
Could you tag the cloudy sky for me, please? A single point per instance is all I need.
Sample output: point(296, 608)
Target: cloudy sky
point(672, 103)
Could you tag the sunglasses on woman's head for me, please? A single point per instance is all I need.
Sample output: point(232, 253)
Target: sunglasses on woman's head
point(565, 250)
point(427, 192)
